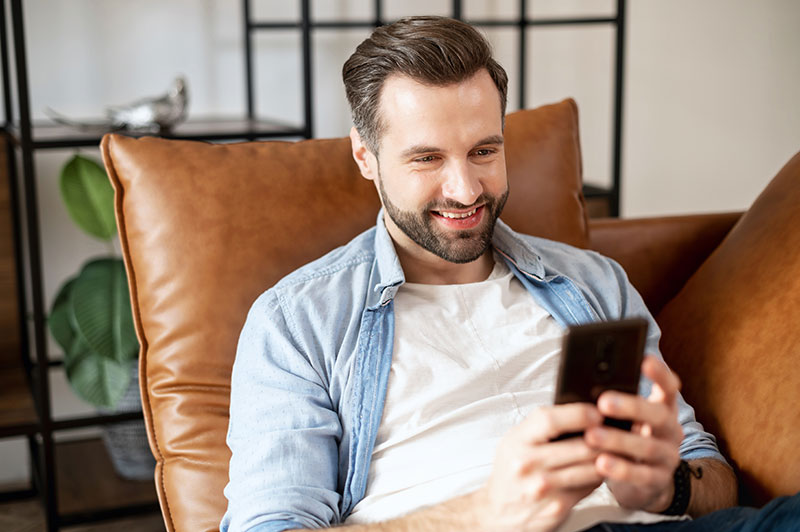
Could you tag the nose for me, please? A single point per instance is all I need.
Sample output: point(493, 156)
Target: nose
point(462, 183)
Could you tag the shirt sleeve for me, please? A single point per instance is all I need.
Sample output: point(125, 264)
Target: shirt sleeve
point(697, 442)
point(283, 431)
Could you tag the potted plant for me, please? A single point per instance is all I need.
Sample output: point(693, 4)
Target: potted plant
point(92, 322)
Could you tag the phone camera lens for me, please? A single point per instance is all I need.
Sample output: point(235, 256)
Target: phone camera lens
point(604, 359)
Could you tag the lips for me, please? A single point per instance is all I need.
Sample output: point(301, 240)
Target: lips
point(460, 219)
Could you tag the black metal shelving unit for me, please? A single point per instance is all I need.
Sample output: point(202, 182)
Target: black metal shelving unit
point(24, 138)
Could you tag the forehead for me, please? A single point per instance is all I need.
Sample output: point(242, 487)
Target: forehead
point(448, 115)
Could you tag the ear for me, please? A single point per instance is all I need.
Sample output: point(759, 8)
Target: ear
point(364, 158)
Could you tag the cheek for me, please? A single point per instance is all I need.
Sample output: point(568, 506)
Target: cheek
point(411, 191)
point(496, 180)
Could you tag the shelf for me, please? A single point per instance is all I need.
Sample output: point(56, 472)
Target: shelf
point(598, 201)
point(594, 191)
point(50, 135)
point(511, 23)
point(17, 410)
point(16, 491)
point(99, 419)
point(90, 489)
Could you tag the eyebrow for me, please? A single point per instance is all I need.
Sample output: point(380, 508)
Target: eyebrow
point(422, 148)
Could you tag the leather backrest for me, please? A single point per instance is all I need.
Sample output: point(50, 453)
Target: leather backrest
point(206, 228)
point(732, 335)
point(659, 254)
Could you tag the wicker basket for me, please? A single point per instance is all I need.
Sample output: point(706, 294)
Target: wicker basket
point(126, 442)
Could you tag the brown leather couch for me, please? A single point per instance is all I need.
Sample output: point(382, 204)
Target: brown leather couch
point(206, 228)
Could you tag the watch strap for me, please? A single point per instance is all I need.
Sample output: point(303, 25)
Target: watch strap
point(682, 480)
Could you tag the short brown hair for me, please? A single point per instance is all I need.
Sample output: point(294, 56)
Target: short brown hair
point(433, 50)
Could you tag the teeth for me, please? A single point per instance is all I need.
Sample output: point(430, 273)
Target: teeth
point(456, 215)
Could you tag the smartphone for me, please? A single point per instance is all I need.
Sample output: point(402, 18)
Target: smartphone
point(601, 356)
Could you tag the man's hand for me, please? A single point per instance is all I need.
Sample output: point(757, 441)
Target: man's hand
point(535, 482)
point(638, 465)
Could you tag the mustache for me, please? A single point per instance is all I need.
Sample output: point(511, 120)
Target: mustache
point(452, 204)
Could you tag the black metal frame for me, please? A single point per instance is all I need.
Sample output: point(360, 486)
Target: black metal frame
point(22, 135)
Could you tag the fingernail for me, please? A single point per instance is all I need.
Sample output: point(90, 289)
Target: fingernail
point(600, 434)
point(609, 402)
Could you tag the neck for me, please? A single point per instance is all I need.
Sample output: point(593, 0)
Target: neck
point(440, 271)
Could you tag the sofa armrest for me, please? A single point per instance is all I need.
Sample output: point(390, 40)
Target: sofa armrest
point(661, 253)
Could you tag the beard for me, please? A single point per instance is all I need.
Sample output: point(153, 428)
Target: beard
point(458, 247)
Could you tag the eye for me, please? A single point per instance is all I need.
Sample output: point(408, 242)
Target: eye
point(484, 152)
point(425, 159)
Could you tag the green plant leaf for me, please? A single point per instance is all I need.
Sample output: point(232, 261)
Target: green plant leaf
point(89, 197)
point(59, 320)
point(100, 310)
point(96, 379)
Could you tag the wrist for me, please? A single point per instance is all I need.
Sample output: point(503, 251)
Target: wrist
point(682, 489)
point(663, 501)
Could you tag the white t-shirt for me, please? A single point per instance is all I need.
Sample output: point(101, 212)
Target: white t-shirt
point(470, 361)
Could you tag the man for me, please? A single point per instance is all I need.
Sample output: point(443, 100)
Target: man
point(405, 380)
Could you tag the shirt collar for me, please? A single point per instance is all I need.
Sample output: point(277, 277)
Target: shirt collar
point(390, 274)
point(512, 246)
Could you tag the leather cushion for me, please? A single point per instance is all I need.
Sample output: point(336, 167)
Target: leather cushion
point(732, 335)
point(545, 174)
point(206, 228)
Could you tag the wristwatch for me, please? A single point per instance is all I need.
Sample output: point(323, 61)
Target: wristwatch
point(683, 488)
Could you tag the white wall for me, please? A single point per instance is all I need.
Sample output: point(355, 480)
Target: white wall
point(712, 105)
point(713, 102)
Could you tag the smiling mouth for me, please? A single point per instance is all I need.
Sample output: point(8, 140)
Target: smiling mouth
point(457, 215)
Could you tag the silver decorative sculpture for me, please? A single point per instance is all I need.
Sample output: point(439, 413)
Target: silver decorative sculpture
point(156, 115)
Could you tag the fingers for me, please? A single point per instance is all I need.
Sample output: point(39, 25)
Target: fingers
point(652, 451)
point(651, 419)
point(528, 448)
point(658, 410)
point(553, 504)
point(666, 384)
point(624, 406)
point(544, 483)
point(537, 481)
point(555, 455)
point(577, 477)
point(544, 424)
point(618, 469)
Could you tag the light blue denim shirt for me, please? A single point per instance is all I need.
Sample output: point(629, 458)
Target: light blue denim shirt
point(313, 361)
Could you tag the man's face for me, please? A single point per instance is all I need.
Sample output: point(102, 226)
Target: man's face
point(441, 171)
